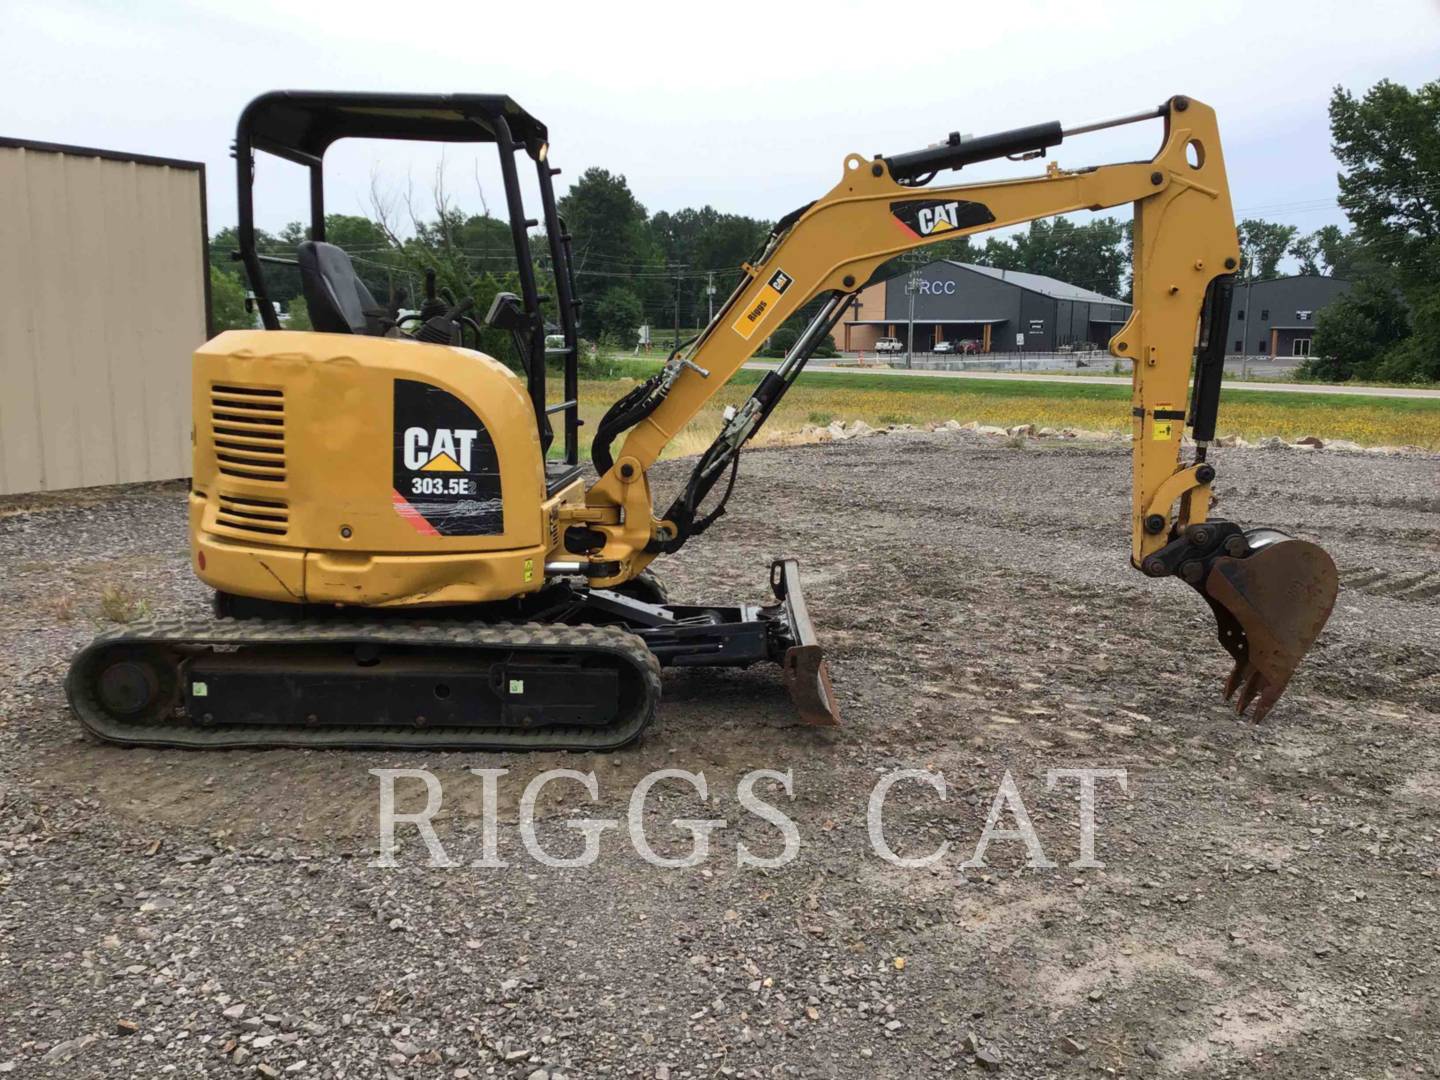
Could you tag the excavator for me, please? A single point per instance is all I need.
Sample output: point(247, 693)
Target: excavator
point(405, 552)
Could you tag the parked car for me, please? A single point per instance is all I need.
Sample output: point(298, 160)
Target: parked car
point(889, 344)
point(968, 346)
point(945, 346)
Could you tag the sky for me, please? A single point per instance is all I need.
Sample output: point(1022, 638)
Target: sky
point(750, 108)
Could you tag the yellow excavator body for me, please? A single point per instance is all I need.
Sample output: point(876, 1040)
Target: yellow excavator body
point(366, 471)
point(404, 553)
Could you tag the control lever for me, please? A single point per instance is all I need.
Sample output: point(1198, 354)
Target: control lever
point(444, 329)
point(432, 305)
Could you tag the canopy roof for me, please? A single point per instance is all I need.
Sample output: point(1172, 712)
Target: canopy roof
point(305, 122)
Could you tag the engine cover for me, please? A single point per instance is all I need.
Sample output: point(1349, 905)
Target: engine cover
point(332, 468)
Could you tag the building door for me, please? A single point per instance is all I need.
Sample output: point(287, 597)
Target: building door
point(1301, 347)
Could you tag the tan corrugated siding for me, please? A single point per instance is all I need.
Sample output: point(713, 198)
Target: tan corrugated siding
point(102, 273)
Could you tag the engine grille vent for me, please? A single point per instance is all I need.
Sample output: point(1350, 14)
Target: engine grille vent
point(247, 429)
point(260, 516)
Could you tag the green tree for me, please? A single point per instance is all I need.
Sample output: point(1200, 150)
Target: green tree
point(1388, 144)
point(298, 315)
point(1091, 256)
point(1305, 250)
point(607, 222)
point(783, 339)
point(281, 282)
point(1417, 357)
point(961, 249)
point(616, 316)
point(376, 260)
point(1343, 255)
point(1127, 255)
point(1262, 245)
point(227, 302)
point(1353, 334)
point(710, 246)
point(613, 244)
point(999, 253)
point(1333, 253)
point(780, 342)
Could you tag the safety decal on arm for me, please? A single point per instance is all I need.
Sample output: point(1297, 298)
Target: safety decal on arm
point(759, 309)
point(1161, 425)
point(446, 473)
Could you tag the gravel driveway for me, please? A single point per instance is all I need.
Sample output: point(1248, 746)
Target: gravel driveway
point(1268, 903)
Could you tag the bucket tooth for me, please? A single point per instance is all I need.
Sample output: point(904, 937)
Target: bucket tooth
point(1248, 692)
point(1237, 675)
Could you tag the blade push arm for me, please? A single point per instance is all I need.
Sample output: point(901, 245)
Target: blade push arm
point(1184, 239)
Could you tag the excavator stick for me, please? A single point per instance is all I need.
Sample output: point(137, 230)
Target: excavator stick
point(1271, 594)
point(1269, 606)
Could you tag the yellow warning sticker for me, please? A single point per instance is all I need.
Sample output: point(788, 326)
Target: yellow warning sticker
point(759, 309)
point(1161, 430)
point(529, 570)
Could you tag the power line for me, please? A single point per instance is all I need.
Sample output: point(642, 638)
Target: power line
point(658, 271)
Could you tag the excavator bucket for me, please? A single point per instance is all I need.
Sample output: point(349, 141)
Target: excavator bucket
point(1270, 605)
point(803, 667)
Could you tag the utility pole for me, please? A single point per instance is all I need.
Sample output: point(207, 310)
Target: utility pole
point(710, 294)
point(676, 346)
point(1245, 335)
point(911, 288)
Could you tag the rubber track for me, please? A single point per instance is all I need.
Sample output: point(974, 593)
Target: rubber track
point(626, 648)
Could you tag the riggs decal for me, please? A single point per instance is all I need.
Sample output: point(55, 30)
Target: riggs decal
point(446, 473)
point(759, 309)
point(931, 217)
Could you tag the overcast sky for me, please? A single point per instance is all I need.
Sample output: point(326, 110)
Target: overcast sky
point(749, 107)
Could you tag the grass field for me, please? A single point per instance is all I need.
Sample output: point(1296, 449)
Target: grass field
point(880, 400)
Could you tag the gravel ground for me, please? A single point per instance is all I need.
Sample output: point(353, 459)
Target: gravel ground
point(1268, 903)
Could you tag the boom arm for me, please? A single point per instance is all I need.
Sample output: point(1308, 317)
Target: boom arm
point(1184, 257)
point(1184, 239)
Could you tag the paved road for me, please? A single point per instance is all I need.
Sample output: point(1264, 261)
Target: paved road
point(1111, 380)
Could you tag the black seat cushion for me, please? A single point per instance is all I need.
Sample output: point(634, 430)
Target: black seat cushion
point(337, 299)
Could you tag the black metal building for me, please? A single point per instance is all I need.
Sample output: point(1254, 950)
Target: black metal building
point(996, 310)
point(1277, 317)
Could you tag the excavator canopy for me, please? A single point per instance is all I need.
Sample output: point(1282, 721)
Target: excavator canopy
point(303, 124)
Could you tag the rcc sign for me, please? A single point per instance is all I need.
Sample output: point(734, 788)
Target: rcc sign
point(936, 288)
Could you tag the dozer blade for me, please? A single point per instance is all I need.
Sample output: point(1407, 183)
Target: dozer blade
point(1270, 606)
point(807, 677)
point(806, 674)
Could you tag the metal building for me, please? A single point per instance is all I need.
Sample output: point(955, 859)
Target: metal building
point(996, 310)
point(1276, 318)
point(105, 280)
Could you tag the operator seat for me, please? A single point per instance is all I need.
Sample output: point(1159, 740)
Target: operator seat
point(338, 301)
